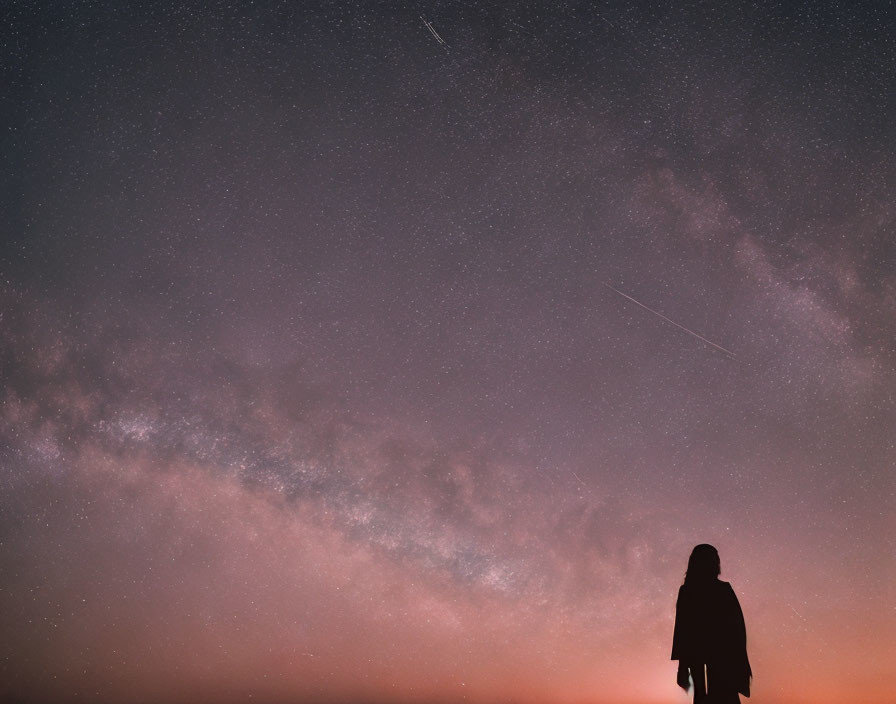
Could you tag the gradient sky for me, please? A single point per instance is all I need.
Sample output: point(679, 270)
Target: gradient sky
point(316, 387)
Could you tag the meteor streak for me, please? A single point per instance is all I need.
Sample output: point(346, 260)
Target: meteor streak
point(433, 32)
point(687, 330)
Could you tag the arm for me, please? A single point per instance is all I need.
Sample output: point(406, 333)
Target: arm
point(679, 634)
point(740, 628)
point(739, 640)
point(679, 649)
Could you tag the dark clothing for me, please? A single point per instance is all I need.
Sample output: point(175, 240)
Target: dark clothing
point(708, 689)
point(710, 638)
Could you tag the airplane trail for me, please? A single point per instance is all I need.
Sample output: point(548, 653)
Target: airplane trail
point(687, 330)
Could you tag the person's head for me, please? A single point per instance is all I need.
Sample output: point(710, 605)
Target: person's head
point(703, 564)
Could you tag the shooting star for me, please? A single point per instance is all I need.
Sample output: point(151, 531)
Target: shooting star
point(729, 353)
point(434, 32)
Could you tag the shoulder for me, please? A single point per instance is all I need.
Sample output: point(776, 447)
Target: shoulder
point(728, 591)
point(725, 587)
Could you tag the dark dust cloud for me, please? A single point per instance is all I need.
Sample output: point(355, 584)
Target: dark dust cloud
point(318, 382)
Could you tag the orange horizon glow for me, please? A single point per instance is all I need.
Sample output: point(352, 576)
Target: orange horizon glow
point(211, 634)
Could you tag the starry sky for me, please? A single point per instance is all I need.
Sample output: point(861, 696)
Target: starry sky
point(401, 352)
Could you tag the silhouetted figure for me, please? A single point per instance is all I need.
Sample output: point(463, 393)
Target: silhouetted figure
point(710, 639)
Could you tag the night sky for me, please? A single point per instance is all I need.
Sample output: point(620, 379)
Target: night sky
point(401, 352)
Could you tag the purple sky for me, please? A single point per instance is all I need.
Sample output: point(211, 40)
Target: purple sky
point(316, 386)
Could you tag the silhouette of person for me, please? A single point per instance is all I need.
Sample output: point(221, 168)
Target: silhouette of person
point(710, 637)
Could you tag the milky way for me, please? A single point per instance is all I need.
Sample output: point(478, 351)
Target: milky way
point(317, 380)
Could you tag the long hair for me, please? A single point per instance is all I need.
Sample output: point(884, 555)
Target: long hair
point(703, 564)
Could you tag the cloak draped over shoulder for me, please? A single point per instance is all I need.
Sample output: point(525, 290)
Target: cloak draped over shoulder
point(710, 629)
